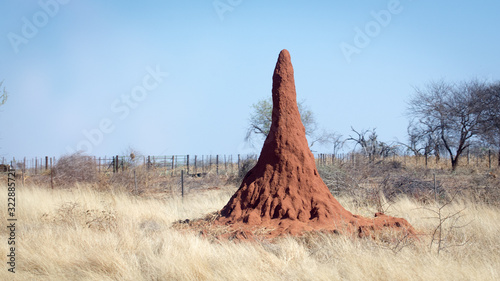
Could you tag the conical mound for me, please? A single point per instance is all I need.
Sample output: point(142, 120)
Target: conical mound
point(284, 191)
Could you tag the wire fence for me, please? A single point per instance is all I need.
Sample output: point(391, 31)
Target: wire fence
point(223, 164)
point(486, 159)
point(169, 164)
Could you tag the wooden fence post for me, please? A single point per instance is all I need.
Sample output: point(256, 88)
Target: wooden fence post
point(117, 164)
point(52, 179)
point(173, 164)
point(225, 163)
point(195, 165)
point(203, 163)
point(187, 163)
point(182, 183)
point(135, 183)
point(217, 163)
point(46, 162)
point(24, 169)
point(489, 158)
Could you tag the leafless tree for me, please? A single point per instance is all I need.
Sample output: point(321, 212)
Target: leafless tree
point(328, 138)
point(370, 145)
point(423, 140)
point(452, 112)
point(490, 125)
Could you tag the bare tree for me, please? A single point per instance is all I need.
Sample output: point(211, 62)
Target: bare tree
point(490, 125)
point(452, 112)
point(370, 145)
point(329, 138)
point(423, 140)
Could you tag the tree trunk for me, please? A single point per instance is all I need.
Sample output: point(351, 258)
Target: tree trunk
point(436, 153)
point(454, 163)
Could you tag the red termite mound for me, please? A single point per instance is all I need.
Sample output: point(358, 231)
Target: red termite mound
point(284, 191)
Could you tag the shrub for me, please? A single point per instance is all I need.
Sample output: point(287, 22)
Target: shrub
point(74, 168)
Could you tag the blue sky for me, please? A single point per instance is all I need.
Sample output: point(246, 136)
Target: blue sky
point(179, 77)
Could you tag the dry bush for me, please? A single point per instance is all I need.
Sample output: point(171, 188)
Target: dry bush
point(72, 214)
point(245, 166)
point(75, 168)
point(414, 187)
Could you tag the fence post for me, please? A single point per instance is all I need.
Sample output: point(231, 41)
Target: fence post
point(435, 189)
point(225, 163)
point(24, 169)
point(36, 164)
point(52, 179)
point(173, 164)
point(182, 183)
point(489, 158)
point(46, 162)
point(217, 163)
point(195, 165)
point(202, 163)
point(135, 183)
point(116, 164)
point(187, 163)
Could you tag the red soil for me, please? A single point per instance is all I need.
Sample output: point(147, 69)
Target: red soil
point(284, 192)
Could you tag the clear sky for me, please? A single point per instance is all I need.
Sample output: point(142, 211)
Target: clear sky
point(179, 77)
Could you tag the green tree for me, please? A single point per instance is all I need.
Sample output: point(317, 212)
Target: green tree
point(261, 118)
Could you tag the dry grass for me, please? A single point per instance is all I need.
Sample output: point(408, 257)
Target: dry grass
point(84, 234)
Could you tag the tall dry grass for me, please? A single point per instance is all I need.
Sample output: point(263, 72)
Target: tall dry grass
point(84, 234)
